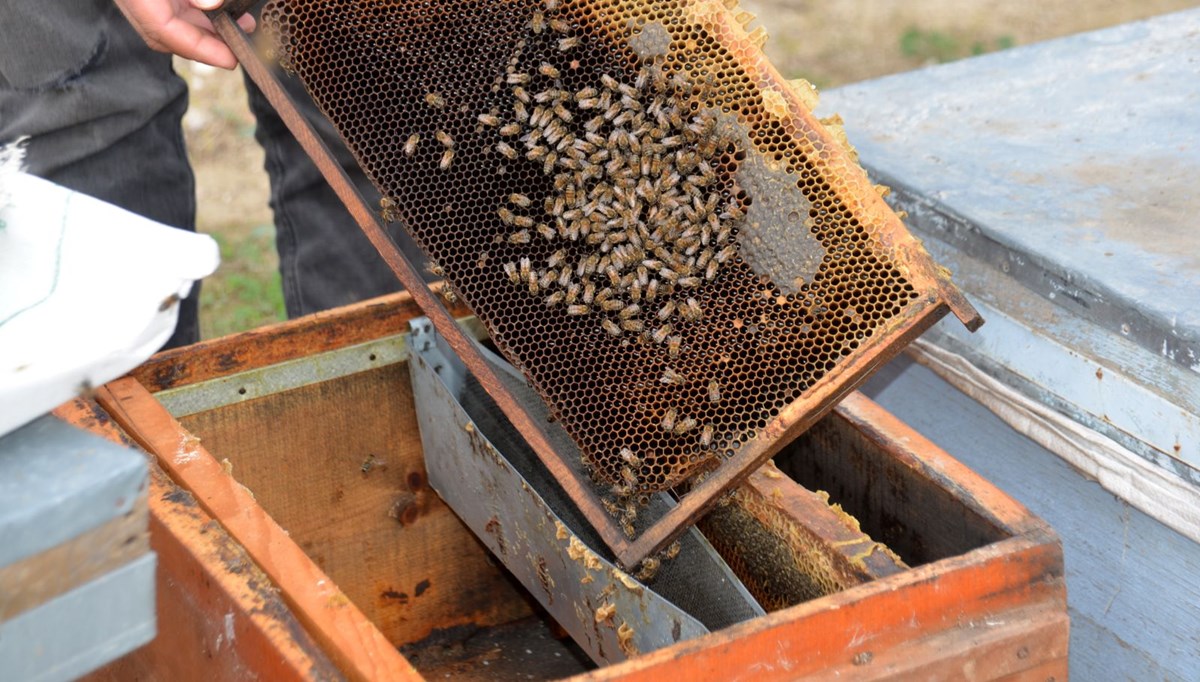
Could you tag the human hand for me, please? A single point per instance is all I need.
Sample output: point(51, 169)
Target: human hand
point(181, 27)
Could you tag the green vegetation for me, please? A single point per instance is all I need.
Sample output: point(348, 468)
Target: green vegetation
point(940, 47)
point(246, 291)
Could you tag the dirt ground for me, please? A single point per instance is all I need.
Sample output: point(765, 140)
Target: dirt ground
point(830, 43)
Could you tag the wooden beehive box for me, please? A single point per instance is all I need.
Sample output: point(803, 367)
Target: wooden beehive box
point(298, 537)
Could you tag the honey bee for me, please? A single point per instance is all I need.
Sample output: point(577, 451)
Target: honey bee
point(521, 237)
point(652, 290)
point(550, 5)
point(572, 293)
point(510, 269)
point(549, 70)
point(661, 333)
point(555, 299)
point(526, 267)
point(517, 78)
point(435, 100)
point(538, 22)
point(610, 114)
point(635, 291)
point(434, 269)
point(710, 272)
point(567, 43)
point(534, 284)
point(629, 458)
point(706, 436)
point(590, 264)
point(668, 420)
point(388, 210)
point(692, 310)
point(610, 327)
point(510, 129)
point(521, 200)
point(490, 120)
point(564, 277)
point(523, 221)
point(683, 426)
point(665, 312)
point(410, 146)
point(632, 325)
point(611, 304)
point(449, 296)
point(444, 138)
point(589, 292)
point(506, 150)
point(629, 311)
point(726, 253)
point(628, 529)
point(447, 159)
point(506, 216)
point(673, 345)
point(546, 231)
point(560, 26)
point(628, 476)
point(548, 163)
point(519, 106)
point(610, 506)
point(714, 391)
point(672, 550)
point(578, 309)
point(649, 569)
point(670, 377)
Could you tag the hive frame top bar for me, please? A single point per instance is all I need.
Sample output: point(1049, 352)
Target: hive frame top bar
point(936, 296)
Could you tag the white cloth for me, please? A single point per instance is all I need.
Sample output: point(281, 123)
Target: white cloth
point(88, 291)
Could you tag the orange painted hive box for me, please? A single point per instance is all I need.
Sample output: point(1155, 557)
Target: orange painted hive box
point(299, 538)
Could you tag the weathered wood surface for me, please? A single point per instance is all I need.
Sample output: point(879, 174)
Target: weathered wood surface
point(219, 617)
point(323, 331)
point(340, 465)
point(990, 611)
point(1131, 581)
point(41, 577)
point(357, 647)
point(961, 598)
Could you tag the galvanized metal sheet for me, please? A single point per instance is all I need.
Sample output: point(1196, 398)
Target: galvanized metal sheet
point(609, 613)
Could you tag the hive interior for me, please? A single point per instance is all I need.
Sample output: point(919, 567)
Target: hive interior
point(563, 162)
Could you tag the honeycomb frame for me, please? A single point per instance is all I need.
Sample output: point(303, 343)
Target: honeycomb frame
point(754, 350)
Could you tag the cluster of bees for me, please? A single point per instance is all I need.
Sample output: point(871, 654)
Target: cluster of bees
point(636, 208)
point(437, 101)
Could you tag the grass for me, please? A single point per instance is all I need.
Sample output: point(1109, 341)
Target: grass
point(246, 292)
point(939, 47)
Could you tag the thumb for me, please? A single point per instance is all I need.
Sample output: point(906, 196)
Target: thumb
point(207, 5)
